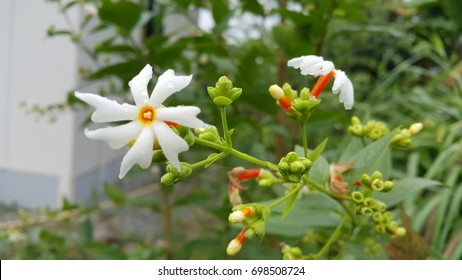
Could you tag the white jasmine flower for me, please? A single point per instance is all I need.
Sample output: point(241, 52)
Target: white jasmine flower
point(147, 119)
point(316, 66)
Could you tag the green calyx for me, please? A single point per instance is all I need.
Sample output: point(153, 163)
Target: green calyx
point(209, 133)
point(292, 168)
point(174, 175)
point(223, 94)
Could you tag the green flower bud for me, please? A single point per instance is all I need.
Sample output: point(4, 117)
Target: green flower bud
point(291, 253)
point(357, 197)
point(388, 216)
point(356, 130)
point(366, 211)
point(158, 156)
point(376, 175)
point(258, 228)
point(168, 179)
point(289, 92)
point(355, 120)
point(380, 229)
point(388, 186)
point(300, 105)
point(377, 185)
point(377, 217)
point(297, 167)
point(174, 176)
point(223, 94)
point(365, 180)
point(209, 133)
point(292, 168)
point(380, 206)
point(305, 93)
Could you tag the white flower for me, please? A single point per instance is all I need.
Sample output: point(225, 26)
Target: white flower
point(316, 66)
point(146, 119)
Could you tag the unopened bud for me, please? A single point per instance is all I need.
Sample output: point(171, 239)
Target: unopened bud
point(233, 247)
point(415, 128)
point(276, 92)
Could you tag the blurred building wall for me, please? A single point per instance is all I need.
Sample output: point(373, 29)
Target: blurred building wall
point(43, 162)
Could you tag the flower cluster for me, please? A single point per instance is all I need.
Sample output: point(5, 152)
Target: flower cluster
point(147, 121)
point(253, 217)
point(318, 67)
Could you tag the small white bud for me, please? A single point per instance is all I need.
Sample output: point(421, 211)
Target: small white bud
point(233, 247)
point(276, 92)
point(236, 217)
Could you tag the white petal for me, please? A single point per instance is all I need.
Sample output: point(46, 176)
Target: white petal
point(167, 84)
point(317, 69)
point(139, 85)
point(306, 59)
point(347, 95)
point(116, 136)
point(140, 153)
point(171, 143)
point(343, 85)
point(108, 110)
point(183, 115)
point(340, 79)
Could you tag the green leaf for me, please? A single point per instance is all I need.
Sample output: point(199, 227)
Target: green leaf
point(311, 211)
point(319, 172)
point(253, 6)
point(318, 150)
point(404, 189)
point(123, 14)
point(290, 203)
point(374, 157)
point(115, 194)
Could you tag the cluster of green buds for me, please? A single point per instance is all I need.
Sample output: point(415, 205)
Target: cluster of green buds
point(365, 204)
point(174, 176)
point(402, 138)
point(297, 106)
point(368, 206)
point(223, 94)
point(375, 182)
point(291, 253)
point(253, 217)
point(292, 167)
point(384, 223)
point(372, 129)
point(208, 133)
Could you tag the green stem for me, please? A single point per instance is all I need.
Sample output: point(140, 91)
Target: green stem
point(224, 124)
point(208, 160)
point(281, 199)
point(304, 139)
point(332, 239)
point(323, 190)
point(236, 153)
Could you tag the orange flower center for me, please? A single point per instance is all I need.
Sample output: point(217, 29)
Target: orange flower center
point(147, 115)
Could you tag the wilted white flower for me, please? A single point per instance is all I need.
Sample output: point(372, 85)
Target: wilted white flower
point(147, 119)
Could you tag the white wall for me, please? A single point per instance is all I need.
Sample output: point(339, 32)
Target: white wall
point(41, 161)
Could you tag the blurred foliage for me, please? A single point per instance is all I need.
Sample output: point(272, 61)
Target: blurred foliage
point(403, 57)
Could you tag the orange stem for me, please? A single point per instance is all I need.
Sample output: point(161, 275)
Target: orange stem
point(321, 84)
